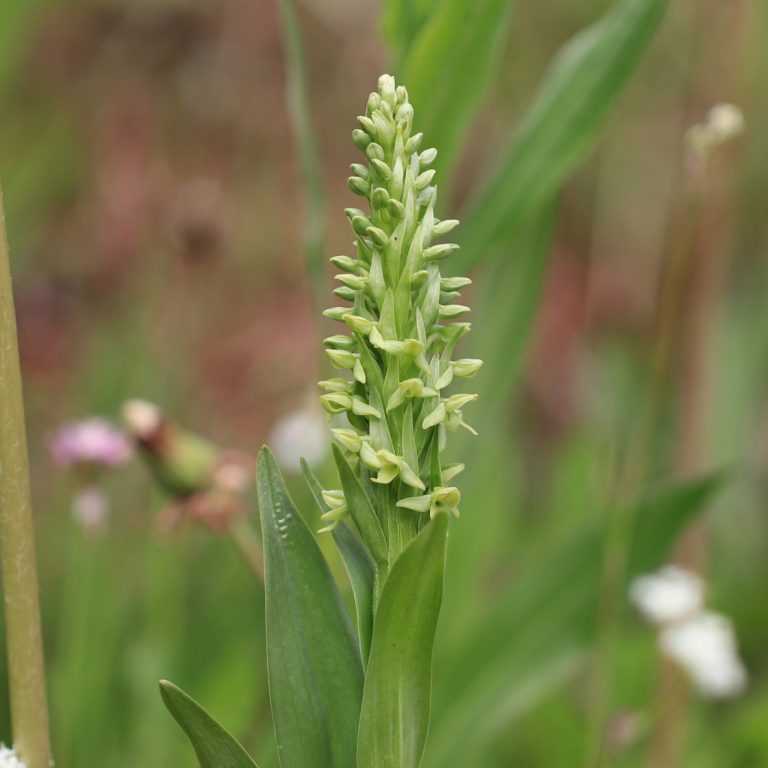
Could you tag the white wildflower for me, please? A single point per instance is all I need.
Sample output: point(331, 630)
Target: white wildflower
point(141, 418)
point(726, 122)
point(90, 508)
point(668, 595)
point(704, 645)
point(300, 434)
point(9, 758)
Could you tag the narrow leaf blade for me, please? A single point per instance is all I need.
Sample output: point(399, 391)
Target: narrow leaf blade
point(361, 510)
point(360, 568)
point(562, 125)
point(396, 701)
point(313, 662)
point(450, 67)
point(213, 745)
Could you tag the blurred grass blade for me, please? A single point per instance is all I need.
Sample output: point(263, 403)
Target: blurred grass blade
point(361, 511)
point(545, 622)
point(310, 167)
point(396, 701)
point(562, 125)
point(214, 747)
point(360, 568)
point(313, 661)
point(508, 299)
point(450, 66)
point(401, 22)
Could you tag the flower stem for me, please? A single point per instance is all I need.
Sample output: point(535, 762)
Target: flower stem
point(29, 711)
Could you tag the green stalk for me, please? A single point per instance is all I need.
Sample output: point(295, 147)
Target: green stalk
point(306, 144)
point(29, 711)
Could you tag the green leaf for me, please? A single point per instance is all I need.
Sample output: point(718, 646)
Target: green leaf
point(360, 568)
point(545, 623)
point(214, 747)
point(401, 22)
point(396, 700)
point(361, 511)
point(449, 68)
point(561, 126)
point(313, 661)
point(510, 293)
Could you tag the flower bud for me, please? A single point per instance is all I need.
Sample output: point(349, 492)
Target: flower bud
point(368, 126)
point(427, 157)
point(336, 385)
point(396, 208)
point(379, 236)
point(424, 179)
point(345, 293)
point(358, 282)
point(359, 324)
point(444, 227)
point(387, 88)
point(382, 168)
point(375, 151)
point(336, 313)
point(380, 198)
point(467, 367)
point(342, 358)
point(340, 341)
point(437, 252)
point(413, 144)
point(345, 263)
point(361, 224)
point(449, 311)
point(359, 186)
point(452, 283)
point(361, 139)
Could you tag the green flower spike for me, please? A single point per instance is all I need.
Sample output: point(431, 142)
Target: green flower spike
point(401, 325)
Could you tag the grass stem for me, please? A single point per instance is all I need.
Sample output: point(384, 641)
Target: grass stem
point(29, 710)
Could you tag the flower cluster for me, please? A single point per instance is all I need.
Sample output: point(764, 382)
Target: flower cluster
point(403, 321)
point(9, 758)
point(87, 448)
point(701, 642)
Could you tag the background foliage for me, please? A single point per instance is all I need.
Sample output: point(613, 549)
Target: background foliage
point(170, 169)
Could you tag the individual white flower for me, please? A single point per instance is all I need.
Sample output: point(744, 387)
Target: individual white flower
point(726, 121)
point(9, 758)
point(668, 595)
point(704, 645)
point(301, 434)
point(90, 507)
point(141, 418)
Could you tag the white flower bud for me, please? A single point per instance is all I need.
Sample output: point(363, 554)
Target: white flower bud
point(141, 418)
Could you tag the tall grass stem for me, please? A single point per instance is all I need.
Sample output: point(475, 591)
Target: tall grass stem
point(29, 710)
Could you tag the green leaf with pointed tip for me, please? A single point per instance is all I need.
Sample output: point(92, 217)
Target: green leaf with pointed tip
point(396, 701)
point(360, 568)
point(213, 745)
point(313, 661)
point(561, 126)
point(361, 511)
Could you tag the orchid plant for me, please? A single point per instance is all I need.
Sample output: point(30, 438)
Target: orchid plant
point(342, 697)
